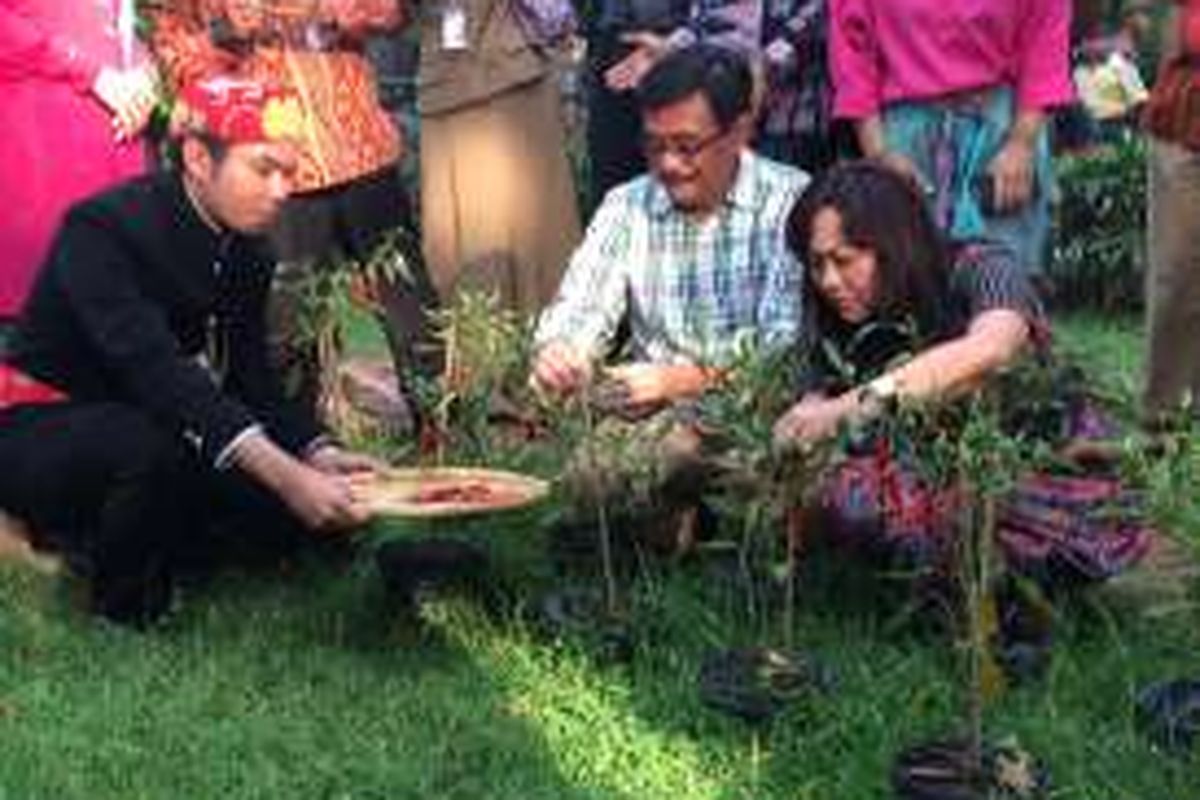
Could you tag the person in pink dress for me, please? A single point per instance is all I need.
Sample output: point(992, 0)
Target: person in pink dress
point(77, 92)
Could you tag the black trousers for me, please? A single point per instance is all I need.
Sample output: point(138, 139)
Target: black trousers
point(614, 123)
point(7, 326)
point(351, 221)
point(128, 505)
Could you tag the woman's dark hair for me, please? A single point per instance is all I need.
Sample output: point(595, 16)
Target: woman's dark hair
point(883, 212)
point(718, 73)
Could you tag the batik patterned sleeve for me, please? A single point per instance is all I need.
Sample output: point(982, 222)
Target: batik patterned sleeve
point(854, 59)
point(593, 296)
point(362, 17)
point(182, 42)
point(1043, 42)
point(736, 24)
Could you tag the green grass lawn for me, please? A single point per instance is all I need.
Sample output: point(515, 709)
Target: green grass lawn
point(303, 684)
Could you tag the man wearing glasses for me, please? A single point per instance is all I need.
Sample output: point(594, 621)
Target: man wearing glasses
point(690, 256)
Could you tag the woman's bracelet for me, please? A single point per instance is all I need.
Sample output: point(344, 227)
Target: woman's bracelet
point(879, 394)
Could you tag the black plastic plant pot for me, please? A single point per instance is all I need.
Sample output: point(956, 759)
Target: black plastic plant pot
point(755, 684)
point(580, 613)
point(574, 543)
point(412, 566)
point(1169, 713)
point(944, 770)
point(1024, 644)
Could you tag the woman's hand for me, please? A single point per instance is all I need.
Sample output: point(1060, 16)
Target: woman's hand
point(627, 73)
point(1012, 168)
point(873, 143)
point(1012, 175)
point(129, 96)
point(902, 165)
point(814, 418)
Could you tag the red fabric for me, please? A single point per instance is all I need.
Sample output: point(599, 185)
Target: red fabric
point(1090, 524)
point(241, 110)
point(17, 388)
point(348, 134)
point(1189, 34)
point(58, 139)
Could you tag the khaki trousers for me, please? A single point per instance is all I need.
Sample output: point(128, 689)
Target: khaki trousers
point(498, 210)
point(1173, 278)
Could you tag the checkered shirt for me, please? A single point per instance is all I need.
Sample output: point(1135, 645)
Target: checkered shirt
point(691, 287)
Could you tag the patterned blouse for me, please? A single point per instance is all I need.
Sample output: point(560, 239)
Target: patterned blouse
point(347, 134)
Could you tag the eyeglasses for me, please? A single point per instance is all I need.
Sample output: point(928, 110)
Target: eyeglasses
point(656, 148)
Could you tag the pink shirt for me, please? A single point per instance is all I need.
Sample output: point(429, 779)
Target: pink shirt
point(58, 139)
point(1189, 22)
point(884, 51)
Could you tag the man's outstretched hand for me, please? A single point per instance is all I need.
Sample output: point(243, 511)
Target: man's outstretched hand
point(561, 369)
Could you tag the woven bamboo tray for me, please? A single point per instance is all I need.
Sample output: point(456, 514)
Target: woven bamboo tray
point(426, 492)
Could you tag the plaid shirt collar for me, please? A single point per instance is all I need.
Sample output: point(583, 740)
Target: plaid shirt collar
point(740, 195)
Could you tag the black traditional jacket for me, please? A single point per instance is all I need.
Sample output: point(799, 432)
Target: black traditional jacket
point(141, 303)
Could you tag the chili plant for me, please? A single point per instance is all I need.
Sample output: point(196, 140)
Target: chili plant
point(327, 295)
point(773, 482)
point(970, 460)
point(486, 351)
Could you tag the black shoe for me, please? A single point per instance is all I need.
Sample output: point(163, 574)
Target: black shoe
point(1169, 713)
point(135, 598)
point(409, 568)
point(8, 327)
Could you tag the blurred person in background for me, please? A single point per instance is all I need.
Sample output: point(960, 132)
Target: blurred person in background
point(625, 38)
point(955, 94)
point(796, 120)
point(78, 91)
point(1172, 118)
point(498, 202)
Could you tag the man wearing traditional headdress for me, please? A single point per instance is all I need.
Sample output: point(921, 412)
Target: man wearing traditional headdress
point(138, 410)
point(348, 200)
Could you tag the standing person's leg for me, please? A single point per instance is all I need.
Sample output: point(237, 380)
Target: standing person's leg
point(511, 228)
point(8, 326)
point(1173, 279)
point(369, 211)
point(108, 487)
point(350, 220)
point(303, 239)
